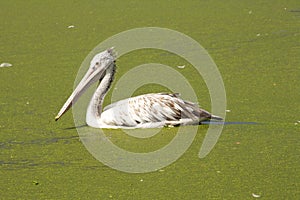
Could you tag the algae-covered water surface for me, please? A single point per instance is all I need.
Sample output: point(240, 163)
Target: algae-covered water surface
point(255, 45)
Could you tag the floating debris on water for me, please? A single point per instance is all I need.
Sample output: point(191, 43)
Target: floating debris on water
point(250, 12)
point(181, 66)
point(228, 110)
point(35, 182)
point(5, 65)
point(71, 26)
point(141, 180)
point(255, 195)
point(258, 34)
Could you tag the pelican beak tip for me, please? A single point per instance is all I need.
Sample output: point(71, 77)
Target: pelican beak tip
point(56, 118)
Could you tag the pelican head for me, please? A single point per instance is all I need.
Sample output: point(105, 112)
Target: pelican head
point(98, 66)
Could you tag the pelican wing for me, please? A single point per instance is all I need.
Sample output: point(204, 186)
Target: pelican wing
point(157, 108)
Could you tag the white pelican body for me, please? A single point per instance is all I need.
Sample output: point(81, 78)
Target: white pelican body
point(144, 111)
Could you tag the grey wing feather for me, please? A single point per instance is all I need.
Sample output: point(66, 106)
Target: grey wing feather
point(169, 107)
point(156, 107)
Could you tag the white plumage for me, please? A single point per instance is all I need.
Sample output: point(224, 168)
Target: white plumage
point(144, 111)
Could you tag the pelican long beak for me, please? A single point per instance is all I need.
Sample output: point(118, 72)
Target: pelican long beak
point(94, 73)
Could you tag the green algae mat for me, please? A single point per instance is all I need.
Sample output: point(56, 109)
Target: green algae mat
point(254, 44)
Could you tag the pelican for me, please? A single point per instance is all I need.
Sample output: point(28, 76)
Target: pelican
point(145, 111)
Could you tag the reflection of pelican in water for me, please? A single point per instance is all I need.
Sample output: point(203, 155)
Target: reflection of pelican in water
point(144, 111)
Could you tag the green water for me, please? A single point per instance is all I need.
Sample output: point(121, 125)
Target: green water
point(256, 47)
